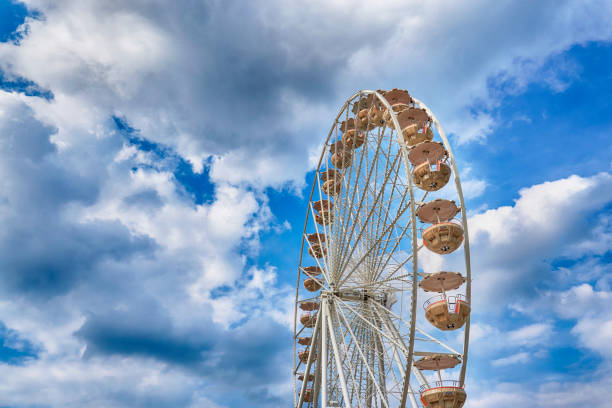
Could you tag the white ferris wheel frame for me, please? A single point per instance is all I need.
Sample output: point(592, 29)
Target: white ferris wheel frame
point(324, 322)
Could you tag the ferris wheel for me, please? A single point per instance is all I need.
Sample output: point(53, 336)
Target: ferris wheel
point(381, 195)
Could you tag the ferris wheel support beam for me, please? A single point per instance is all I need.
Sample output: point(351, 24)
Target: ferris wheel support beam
point(363, 357)
point(393, 330)
point(339, 365)
point(353, 354)
point(466, 239)
point(323, 357)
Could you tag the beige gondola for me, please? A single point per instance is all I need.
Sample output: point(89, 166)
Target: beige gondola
point(427, 152)
point(348, 130)
point(341, 155)
point(303, 356)
point(312, 270)
point(304, 341)
point(353, 139)
point(309, 305)
point(399, 99)
point(301, 377)
point(308, 320)
point(332, 187)
point(363, 121)
point(332, 182)
point(443, 238)
point(447, 312)
point(317, 251)
point(308, 395)
point(438, 210)
point(330, 174)
point(431, 176)
point(444, 394)
point(441, 281)
point(324, 218)
point(377, 115)
point(342, 160)
point(312, 284)
point(415, 125)
point(323, 205)
point(369, 112)
point(316, 238)
point(437, 361)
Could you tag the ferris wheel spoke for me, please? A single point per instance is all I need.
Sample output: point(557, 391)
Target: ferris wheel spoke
point(363, 257)
point(338, 358)
point(401, 211)
point(342, 212)
point(310, 359)
point(380, 266)
point(400, 265)
point(376, 204)
point(423, 332)
point(385, 206)
point(364, 321)
point(361, 202)
point(373, 188)
point(398, 352)
point(356, 389)
point(346, 214)
point(362, 332)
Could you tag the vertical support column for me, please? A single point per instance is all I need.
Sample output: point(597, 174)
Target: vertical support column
point(323, 356)
point(332, 335)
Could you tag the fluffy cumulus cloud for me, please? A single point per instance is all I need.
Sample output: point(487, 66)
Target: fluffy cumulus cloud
point(515, 244)
point(515, 250)
point(137, 145)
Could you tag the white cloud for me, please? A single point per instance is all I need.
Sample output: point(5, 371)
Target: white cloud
point(529, 335)
point(567, 394)
point(591, 310)
point(471, 187)
point(521, 357)
point(509, 243)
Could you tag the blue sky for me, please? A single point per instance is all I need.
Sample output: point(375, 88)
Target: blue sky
point(155, 161)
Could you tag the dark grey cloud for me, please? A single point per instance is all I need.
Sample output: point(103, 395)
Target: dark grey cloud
point(244, 361)
point(43, 251)
point(144, 331)
point(147, 199)
point(54, 257)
